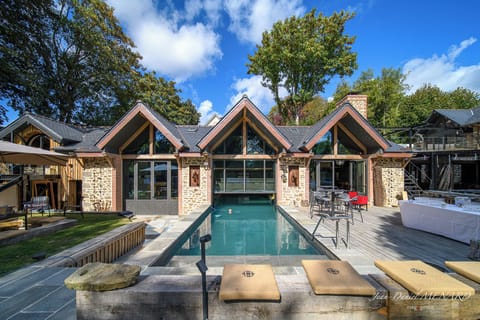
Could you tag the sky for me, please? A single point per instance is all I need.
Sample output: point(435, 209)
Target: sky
point(203, 45)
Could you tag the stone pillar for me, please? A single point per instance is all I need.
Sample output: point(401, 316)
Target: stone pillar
point(194, 194)
point(388, 181)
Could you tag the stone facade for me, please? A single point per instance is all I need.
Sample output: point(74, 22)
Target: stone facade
point(194, 196)
point(97, 185)
point(388, 180)
point(293, 195)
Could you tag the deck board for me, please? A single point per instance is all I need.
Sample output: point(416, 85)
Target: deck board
point(382, 237)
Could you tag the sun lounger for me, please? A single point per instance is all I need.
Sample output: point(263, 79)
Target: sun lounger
point(424, 280)
point(468, 269)
point(336, 278)
point(248, 282)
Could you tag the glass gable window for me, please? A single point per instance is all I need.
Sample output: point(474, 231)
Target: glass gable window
point(232, 144)
point(256, 145)
point(150, 180)
point(238, 176)
point(161, 143)
point(324, 145)
point(140, 145)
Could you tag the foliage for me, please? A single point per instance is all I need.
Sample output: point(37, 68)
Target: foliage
point(15, 256)
point(385, 94)
point(70, 60)
point(314, 111)
point(301, 55)
point(164, 98)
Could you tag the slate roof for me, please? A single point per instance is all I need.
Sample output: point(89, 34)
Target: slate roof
point(462, 117)
point(85, 139)
point(58, 131)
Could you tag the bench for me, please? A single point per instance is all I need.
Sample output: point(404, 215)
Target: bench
point(39, 204)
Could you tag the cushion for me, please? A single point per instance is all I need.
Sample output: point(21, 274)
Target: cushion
point(248, 282)
point(468, 269)
point(424, 280)
point(336, 277)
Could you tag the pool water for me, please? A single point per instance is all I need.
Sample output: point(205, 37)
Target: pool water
point(250, 228)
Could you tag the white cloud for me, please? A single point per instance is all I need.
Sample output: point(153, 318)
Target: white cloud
point(443, 71)
point(249, 19)
point(252, 87)
point(169, 45)
point(206, 111)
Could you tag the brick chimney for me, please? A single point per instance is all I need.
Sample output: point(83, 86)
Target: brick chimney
point(358, 101)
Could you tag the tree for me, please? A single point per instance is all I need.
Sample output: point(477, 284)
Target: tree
point(301, 55)
point(385, 94)
point(70, 60)
point(416, 107)
point(164, 98)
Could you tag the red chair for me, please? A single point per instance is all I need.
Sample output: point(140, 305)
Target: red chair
point(359, 202)
point(352, 194)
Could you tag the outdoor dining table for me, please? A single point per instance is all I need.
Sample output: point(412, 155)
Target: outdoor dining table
point(333, 215)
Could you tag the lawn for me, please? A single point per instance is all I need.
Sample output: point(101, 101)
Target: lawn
point(15, 256)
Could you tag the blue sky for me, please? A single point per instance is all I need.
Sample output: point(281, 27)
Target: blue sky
point(204, 45)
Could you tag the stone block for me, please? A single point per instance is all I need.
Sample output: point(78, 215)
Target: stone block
point(99, 276)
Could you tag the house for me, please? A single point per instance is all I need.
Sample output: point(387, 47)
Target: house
point(149, 165)
point(446, 147)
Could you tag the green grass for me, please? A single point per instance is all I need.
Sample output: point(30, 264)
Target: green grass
point(15, 256)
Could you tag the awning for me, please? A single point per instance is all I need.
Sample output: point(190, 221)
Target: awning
point(20, 154)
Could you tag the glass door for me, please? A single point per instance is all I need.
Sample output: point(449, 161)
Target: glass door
point(358, 176)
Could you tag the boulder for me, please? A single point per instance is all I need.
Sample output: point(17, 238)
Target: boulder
point(99, 276)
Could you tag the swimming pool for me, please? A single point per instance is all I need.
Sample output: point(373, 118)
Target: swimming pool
point(243, 229)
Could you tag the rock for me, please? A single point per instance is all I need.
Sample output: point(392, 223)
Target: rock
point(99, 276)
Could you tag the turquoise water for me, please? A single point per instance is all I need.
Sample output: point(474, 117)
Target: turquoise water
point(250, 228)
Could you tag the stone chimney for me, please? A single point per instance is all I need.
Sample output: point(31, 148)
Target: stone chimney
point(358, 101)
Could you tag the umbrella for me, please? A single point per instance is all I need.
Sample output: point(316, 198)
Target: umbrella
point(20, 154)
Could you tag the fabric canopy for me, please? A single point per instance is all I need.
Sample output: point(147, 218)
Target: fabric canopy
point(20, 154)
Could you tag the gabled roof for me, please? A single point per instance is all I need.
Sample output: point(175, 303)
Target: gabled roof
point(461, 117)
point(134, 119)
point(244, 108)
point(89, 139)
point(61, 132)
point(349, 118)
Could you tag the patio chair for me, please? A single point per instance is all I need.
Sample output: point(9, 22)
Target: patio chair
point(41, 204)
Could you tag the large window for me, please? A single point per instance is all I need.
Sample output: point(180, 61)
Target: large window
point(254, 144)
point(150, 180)
point(244, 176)
point(345, 145)
point(141, 144)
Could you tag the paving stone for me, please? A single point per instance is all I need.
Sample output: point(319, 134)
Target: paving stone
point(17, 303)
point(58, 278)
point(68, 312)
point(53, 302)
point(31, 316)
point(15, 287)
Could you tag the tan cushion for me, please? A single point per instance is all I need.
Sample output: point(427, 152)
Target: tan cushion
point(424, 280)
point(249, 282)
point(469, 269)
point(336, 277)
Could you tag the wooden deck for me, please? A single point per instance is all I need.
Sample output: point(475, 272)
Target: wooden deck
point(381, 237)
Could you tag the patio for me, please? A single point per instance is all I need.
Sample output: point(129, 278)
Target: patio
point(381, 236)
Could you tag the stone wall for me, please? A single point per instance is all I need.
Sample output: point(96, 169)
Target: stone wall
point(388, 181)
point(293, 195)
point(194, 196)
point(97, 185)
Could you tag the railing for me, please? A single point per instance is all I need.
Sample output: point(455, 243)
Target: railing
point(447, 143)
point(105, 248)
